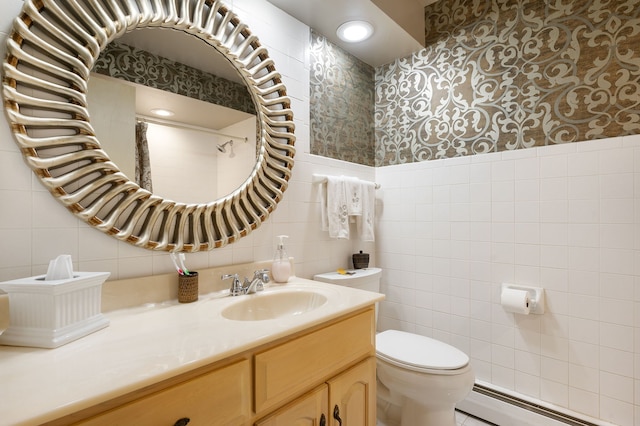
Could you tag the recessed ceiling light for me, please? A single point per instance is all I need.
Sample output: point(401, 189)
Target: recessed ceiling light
point(162, 112)
point(354, 31)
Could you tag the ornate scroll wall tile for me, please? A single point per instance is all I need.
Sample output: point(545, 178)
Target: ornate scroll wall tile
point(510, 74)
point(342, 104)
point(139, 66)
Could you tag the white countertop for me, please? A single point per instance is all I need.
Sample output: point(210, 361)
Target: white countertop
point(144, 345)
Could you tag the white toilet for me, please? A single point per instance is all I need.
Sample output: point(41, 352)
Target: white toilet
point(420, 379)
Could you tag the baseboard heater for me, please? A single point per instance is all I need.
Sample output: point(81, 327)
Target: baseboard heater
point(504, 409)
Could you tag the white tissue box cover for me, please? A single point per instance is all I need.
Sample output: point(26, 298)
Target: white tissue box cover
point(48, 314)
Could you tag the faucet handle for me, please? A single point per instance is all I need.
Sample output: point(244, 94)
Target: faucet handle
point(262, 275)
point(236, 285)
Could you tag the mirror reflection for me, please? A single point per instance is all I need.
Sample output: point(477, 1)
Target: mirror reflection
point(204, 149)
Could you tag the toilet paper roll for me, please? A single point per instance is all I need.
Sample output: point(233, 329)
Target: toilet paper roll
point(516, 301)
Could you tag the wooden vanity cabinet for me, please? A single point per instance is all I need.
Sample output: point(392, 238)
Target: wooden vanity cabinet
point(352, 396)
point(291, 368)
point(283, 372)
point(311, 409)
point(347, 399)
point(220, 397)
point(293, 381)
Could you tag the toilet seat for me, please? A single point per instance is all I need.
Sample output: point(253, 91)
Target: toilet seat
point(419, 353)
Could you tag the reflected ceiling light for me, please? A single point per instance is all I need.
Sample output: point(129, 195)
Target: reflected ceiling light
point(354, 31)
point(162, 112)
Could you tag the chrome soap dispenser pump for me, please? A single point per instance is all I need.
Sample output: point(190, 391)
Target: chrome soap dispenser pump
point(281, 267)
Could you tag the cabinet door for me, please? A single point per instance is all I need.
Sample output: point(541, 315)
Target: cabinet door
point(352, 396)
point(221, 397)
point(308, 410)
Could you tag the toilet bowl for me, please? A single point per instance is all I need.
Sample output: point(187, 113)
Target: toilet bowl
point(429, 376)
point(420, 379)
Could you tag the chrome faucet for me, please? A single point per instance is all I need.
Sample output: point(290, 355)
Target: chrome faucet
point(236, 286)
point(260, 277)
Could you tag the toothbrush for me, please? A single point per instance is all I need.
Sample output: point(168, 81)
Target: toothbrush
point(175, 263)
point(181, 256)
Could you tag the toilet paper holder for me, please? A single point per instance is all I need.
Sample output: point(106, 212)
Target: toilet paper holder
point(536, 297)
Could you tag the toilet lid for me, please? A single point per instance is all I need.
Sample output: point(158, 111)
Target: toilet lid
point(421, 352)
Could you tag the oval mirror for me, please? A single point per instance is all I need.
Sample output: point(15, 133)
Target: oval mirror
point(53, 47)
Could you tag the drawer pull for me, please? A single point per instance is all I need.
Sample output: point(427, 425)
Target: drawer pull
point(336, 414)
point(182, 422)
point(323, 420)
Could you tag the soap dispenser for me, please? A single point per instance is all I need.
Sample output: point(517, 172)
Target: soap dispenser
point(281, 267)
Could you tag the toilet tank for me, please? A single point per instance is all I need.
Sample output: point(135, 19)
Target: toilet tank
point(364, 279)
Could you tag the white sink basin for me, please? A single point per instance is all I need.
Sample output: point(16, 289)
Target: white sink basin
point(274, 305)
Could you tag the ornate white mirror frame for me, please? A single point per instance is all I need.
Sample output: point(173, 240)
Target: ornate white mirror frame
point(50, 54)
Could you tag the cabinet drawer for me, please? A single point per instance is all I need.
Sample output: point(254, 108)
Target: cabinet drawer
point(221, 397)
point(291, 368)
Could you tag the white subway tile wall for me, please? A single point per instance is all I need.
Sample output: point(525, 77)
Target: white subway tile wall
point(566, 218)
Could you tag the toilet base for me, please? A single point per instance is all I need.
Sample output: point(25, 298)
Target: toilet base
point(388, 405)
point(416, 414)
point(423, 398)
point(388, 414)
point(393, 410)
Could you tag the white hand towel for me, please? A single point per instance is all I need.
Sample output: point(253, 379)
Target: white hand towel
point(353, 188)
point(322, 195)
point(337, 214)
point(367, 220)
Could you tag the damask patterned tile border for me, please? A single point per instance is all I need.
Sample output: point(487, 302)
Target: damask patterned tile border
point(120, 60)
point(341, 104)
point(511, 74)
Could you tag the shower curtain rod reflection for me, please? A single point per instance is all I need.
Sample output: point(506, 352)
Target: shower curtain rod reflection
point(155, 120)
